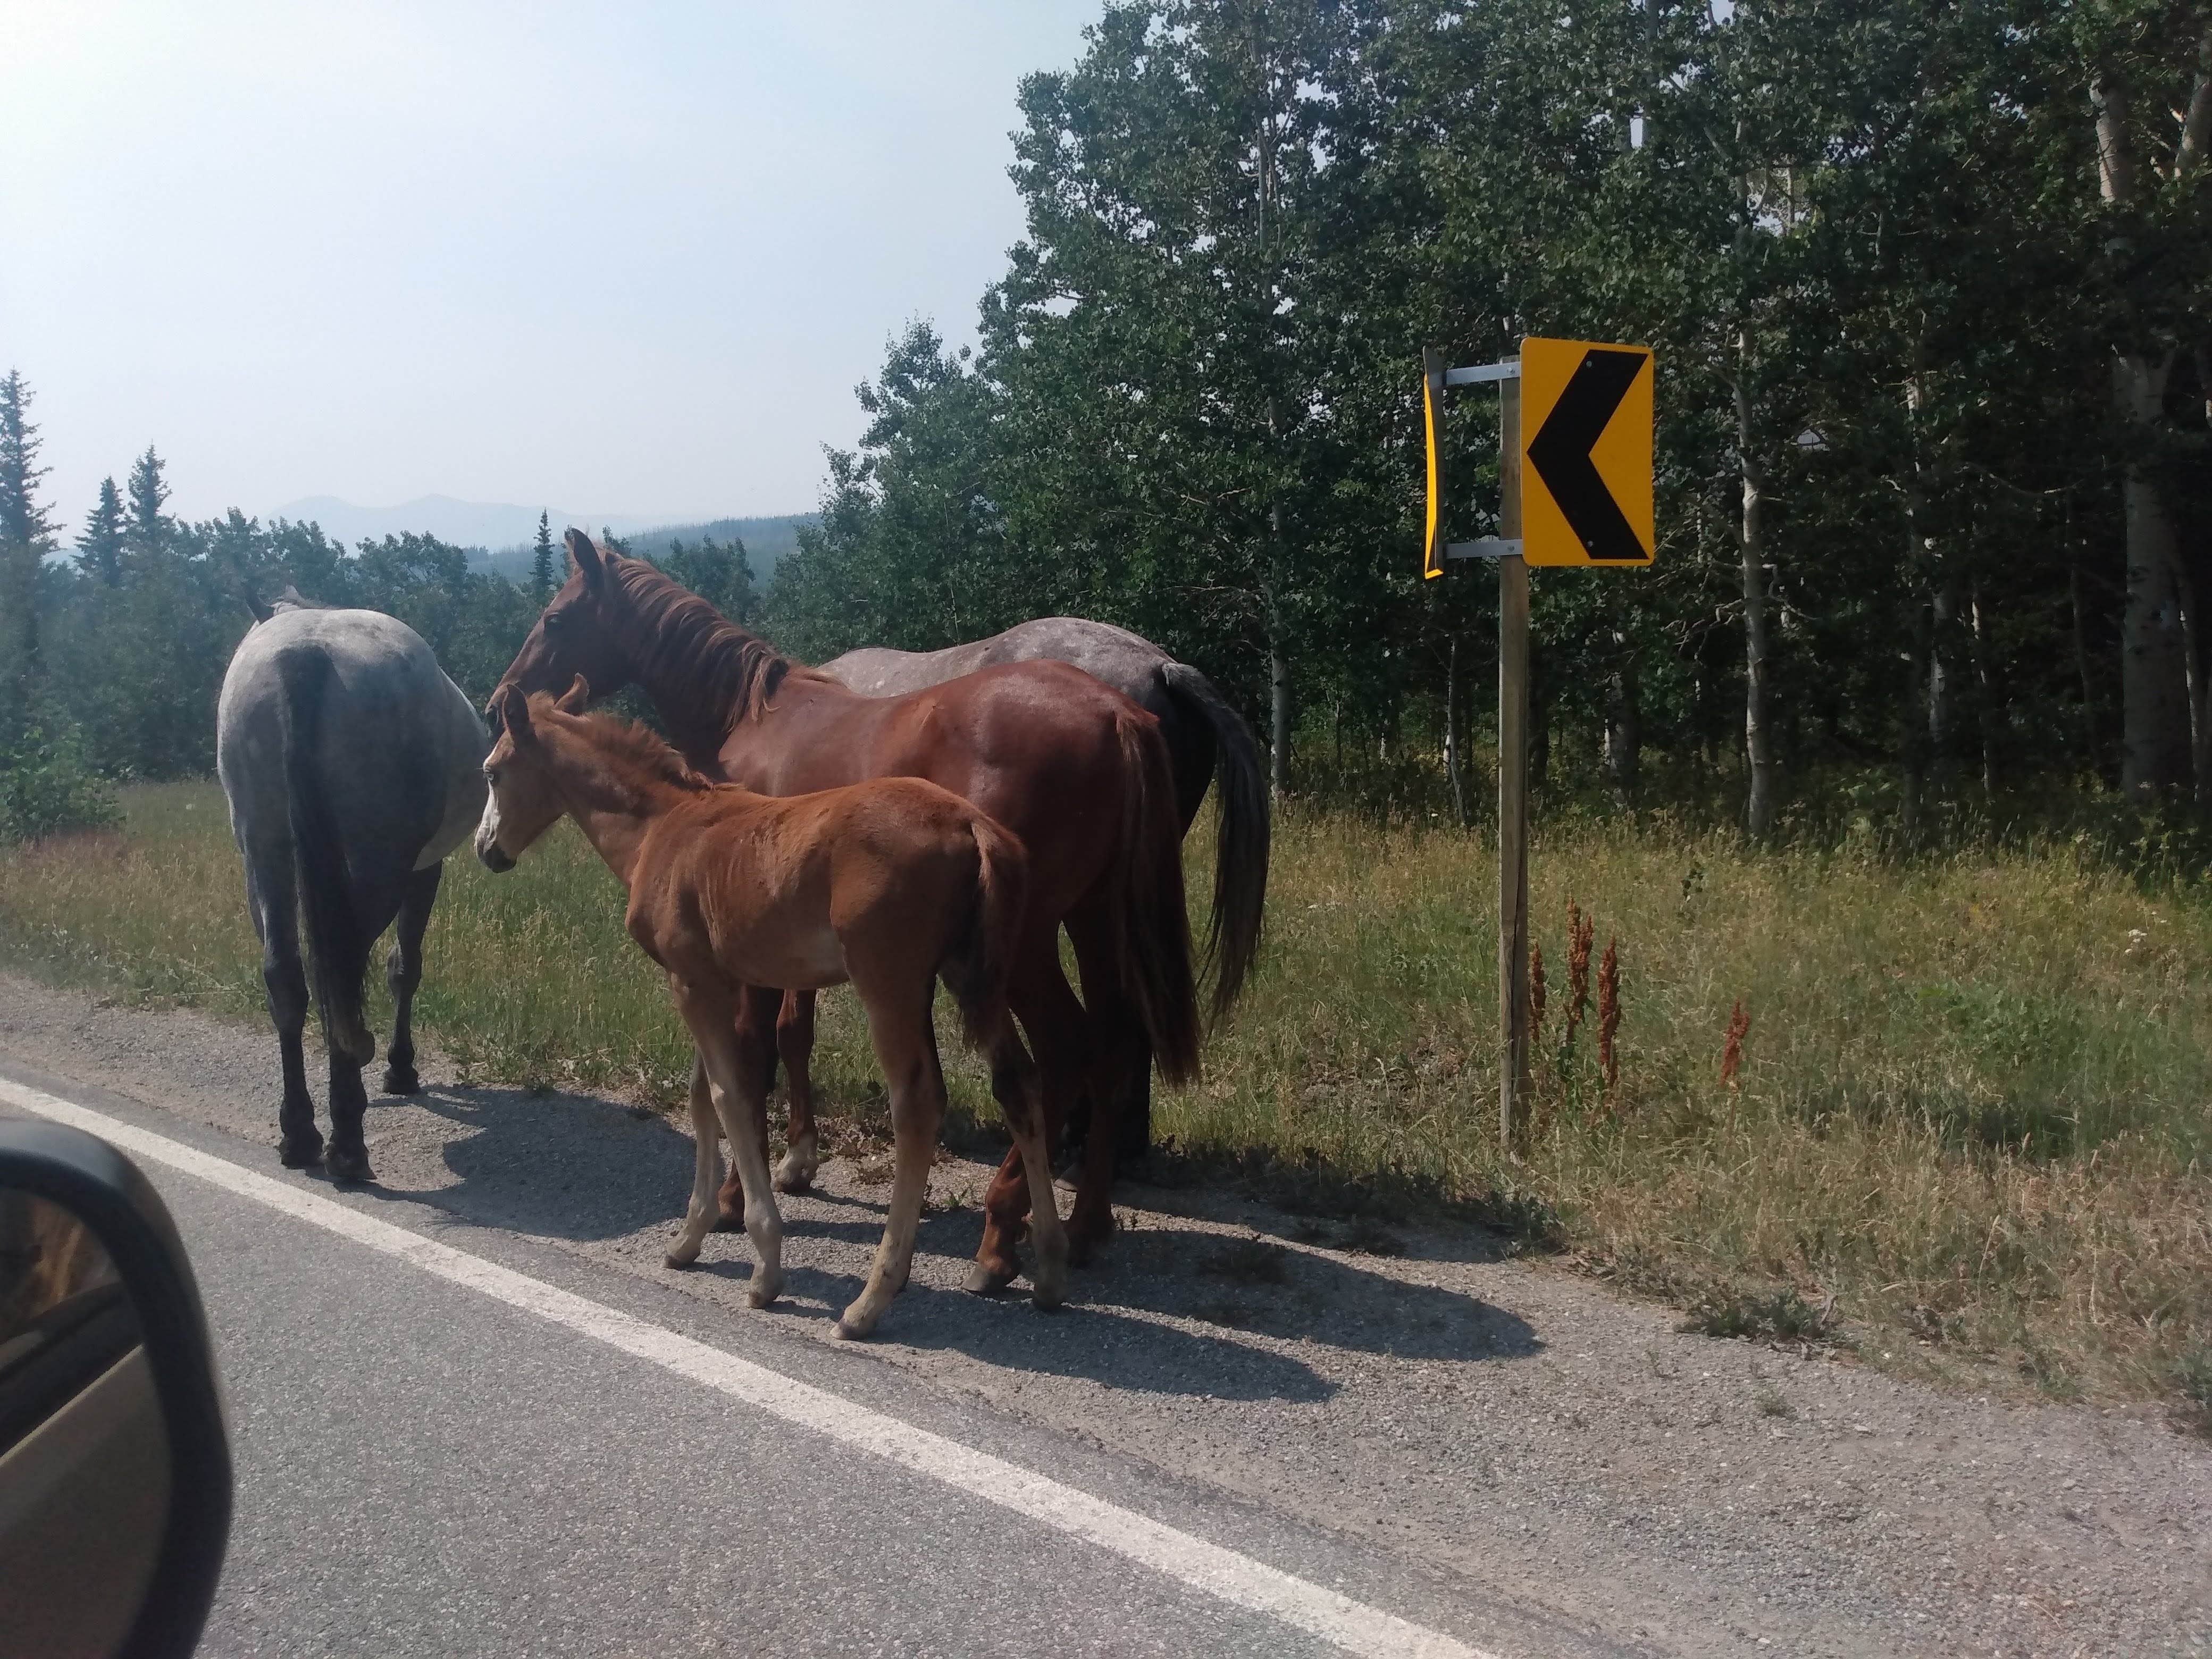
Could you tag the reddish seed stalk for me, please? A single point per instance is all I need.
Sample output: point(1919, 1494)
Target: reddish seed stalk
point(1580, 931)
point(1535, 990)
point(1739, 1027)
point(1608, 1013)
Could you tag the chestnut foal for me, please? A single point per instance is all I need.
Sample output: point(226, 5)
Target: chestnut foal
point(890, 884)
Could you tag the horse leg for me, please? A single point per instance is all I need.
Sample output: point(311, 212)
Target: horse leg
point(402, 974)
point(375, 902)
point(347, 1160)
point(740, 1102)
point(1134, 1142)
point(701, 1215)
point(758, 1009)
point(275, 904)
point(905, 1041)
point(1056, 1025)
point(794, 1042)
point(1121, 1049)
point(1017, 1083)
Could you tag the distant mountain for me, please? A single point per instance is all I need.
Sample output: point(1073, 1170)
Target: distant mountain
point(465, 524)
point(766, 541)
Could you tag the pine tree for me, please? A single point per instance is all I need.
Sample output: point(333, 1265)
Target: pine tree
point(148, 529)
point(541, 564)
point(99, 548)
point(23, 521)
point(26, 532)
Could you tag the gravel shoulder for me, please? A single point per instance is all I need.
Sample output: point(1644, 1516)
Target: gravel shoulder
point(1458, 1409)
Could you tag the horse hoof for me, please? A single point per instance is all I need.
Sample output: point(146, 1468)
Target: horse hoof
point(845, 1333)
point(300, 1154)
point(1046, 1298)
point(788, 1180)
point(726, 1223)
point(397, 1082)
point(986, 1280)
point(348, 1169)
point(679, 1262)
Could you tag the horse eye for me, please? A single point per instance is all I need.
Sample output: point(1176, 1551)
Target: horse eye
point(491, 775)
point(554, 620)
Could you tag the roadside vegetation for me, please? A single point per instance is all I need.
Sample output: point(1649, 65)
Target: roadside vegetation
point(1965, 1131)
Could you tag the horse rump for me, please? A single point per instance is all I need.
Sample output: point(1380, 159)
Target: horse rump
point(337, 954)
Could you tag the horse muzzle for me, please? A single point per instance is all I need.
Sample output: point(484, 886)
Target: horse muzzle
point(494, 860)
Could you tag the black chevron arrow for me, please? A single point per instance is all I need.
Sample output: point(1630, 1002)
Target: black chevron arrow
point(1561, 453)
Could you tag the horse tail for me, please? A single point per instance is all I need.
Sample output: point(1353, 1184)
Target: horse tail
point(1152, 943)
point(337, 953)
point(977, 972)
point(1241, 836)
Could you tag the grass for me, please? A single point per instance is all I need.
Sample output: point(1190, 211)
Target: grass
point(1771, 1315)
point(1968, 1131)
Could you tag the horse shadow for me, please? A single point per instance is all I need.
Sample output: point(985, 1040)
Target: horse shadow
point(1083, 1338)
point(554, 1165)
point(1142, 1318)
point(1256, 1284)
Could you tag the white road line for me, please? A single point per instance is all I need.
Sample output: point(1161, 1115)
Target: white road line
point(1235, 1578)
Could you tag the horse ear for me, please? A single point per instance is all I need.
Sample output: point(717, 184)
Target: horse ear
point(513, 709)
point(262, 613)
point(586, 557)
point(576, 698)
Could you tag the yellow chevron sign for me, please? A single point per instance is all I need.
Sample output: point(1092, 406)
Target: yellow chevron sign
point(1586, 453)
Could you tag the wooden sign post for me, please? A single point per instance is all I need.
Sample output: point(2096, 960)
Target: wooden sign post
point(1590, 410)
point(1513, 1083)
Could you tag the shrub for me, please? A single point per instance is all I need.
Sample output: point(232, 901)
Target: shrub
point(47, 789)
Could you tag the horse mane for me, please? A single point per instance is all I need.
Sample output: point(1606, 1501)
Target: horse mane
point(678, 636)
point(637, 747)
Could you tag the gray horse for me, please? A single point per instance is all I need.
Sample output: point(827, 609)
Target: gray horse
point(353, 766)
point(1205, 737)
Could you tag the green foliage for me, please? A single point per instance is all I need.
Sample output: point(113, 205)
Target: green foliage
point(908, 550)
point(47, 789)
point(1194, 409)
point(718, 573)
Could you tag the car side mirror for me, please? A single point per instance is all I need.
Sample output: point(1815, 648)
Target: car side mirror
point(115, 1471)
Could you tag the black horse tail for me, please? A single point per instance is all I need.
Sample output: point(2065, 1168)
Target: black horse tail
point(337, 955)
point(1241, 837)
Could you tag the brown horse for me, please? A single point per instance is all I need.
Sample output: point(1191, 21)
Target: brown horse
point(889, 885)
point(1072, 767)
point(1208, 743)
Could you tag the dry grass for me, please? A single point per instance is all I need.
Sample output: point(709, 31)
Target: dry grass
point(1967, 1122)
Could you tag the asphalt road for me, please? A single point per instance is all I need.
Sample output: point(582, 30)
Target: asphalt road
point(424, 1467)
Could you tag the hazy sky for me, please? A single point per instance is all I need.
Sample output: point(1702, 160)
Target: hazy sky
point(616, 259)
